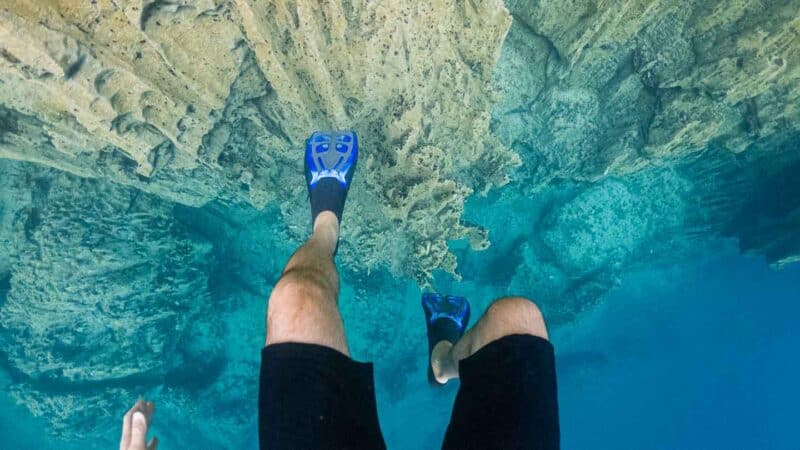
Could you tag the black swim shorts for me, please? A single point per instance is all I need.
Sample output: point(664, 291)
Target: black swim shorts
point(313, 397)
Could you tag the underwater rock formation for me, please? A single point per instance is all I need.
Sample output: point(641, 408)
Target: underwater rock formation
point(131, 92)
point(650, 118)
point(106, 292)
point(592, 90)
point(212, 100)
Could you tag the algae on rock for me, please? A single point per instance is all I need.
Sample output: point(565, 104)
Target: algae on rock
point(106, 293)
point(647, 120)
point(593, 89)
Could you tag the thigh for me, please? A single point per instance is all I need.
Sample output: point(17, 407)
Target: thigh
point(314, 397)
point(507, 398)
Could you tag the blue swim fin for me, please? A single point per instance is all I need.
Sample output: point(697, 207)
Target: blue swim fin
point(447, 318)
point(330, 163)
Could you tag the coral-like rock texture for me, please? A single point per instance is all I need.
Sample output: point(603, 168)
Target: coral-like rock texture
point(595, 89)
point(103, 288)
point(195, 101)
point(650, 118)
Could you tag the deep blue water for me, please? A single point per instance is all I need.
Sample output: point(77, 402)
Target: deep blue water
point(698, 358)
point(699, 355)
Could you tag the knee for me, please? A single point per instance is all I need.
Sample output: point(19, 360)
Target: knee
point(517, 315)
point(303, 308)
point(297, 286)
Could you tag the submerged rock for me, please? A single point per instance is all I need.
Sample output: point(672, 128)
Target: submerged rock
point(212, 100)
point(591, 91)
point(641, 127)
point(105, 292)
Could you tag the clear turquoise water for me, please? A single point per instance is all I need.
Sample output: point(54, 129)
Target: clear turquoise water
point(698, 355)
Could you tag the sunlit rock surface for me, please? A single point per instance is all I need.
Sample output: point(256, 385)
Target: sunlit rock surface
point(151, 180)
point(212, 100)
point(592, 90)
point(643, 125)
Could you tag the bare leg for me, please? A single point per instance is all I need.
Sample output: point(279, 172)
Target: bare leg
point(303, 306)
point(505, 316)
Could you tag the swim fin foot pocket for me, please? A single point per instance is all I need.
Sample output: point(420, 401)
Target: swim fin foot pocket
point(447, 318)
point(330, 163)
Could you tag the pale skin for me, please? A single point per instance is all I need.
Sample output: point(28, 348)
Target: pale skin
point(303, 308)
point(134, 427)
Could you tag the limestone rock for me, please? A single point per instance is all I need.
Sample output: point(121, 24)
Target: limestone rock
point(104, 291)
point(195, 101)
point(597, 98)
point(592, 89)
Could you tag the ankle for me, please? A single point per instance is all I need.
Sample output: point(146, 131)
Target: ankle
point(444, 365)
point(326, 232)
point(327, 221)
